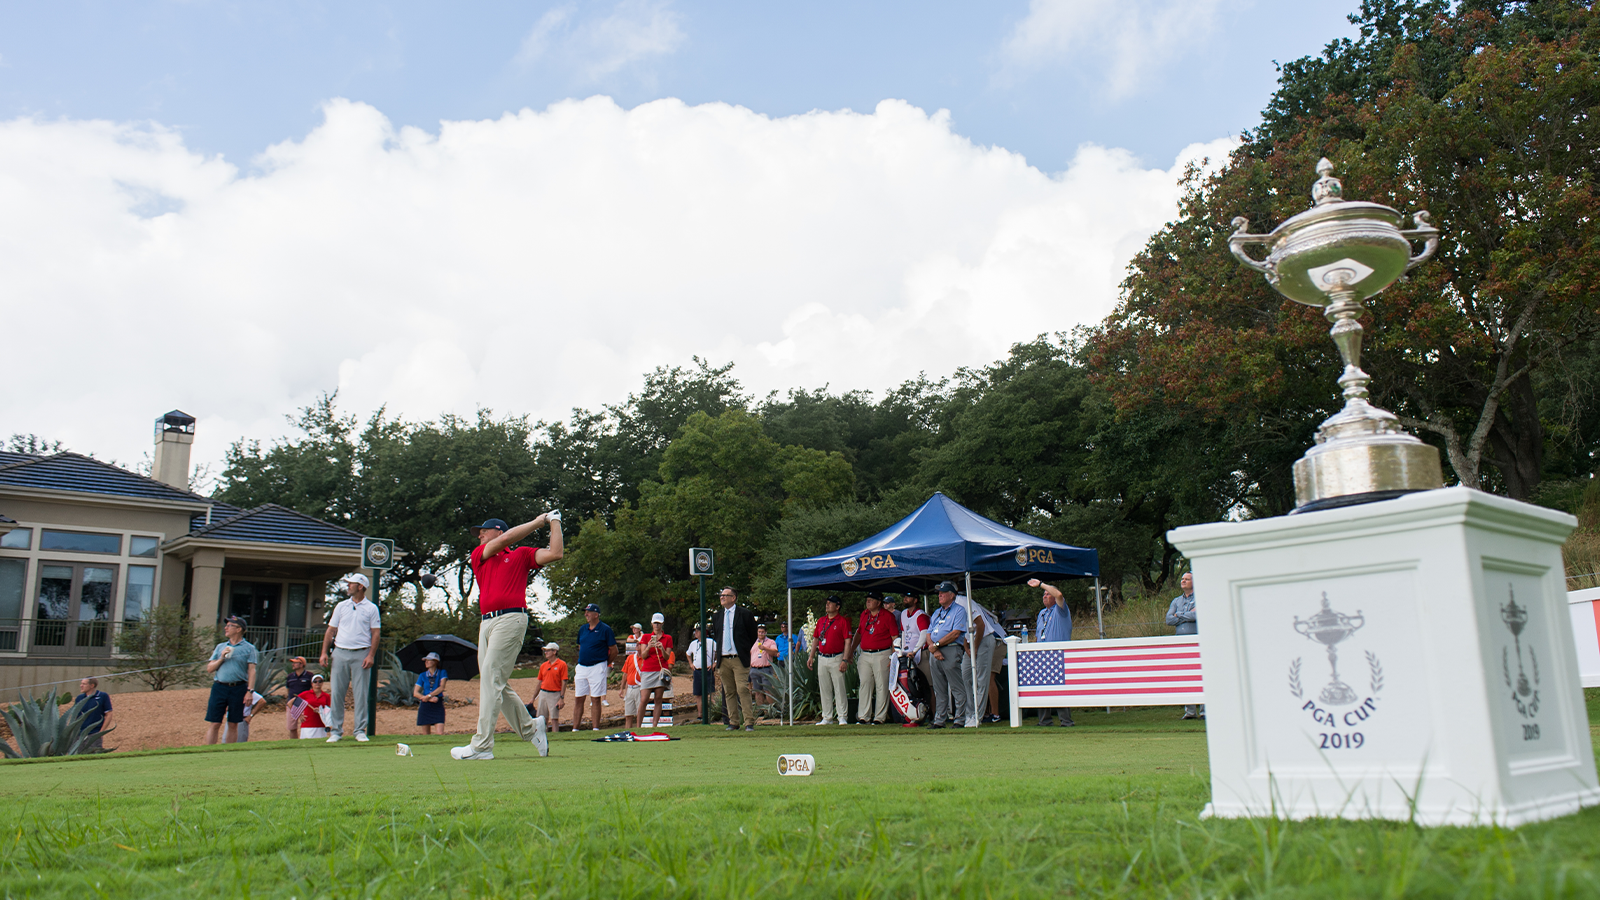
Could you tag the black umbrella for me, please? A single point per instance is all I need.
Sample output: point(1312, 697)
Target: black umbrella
point(457, 656)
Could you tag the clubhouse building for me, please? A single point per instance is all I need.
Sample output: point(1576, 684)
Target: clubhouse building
point(88, 549)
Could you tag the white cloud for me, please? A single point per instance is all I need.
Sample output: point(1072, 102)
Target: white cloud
point(533, 263)
point(598, 46)
point(1129, 41)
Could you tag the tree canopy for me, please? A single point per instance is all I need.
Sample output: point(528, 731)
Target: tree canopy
point(1483, 113)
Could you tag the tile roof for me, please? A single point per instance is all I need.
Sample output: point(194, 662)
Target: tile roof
point(274, 524)
point(218, 512)
point(7, 520)
point(75, 472)
point(7, 457)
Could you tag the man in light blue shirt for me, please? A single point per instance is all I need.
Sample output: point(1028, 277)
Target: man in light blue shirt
point(1181, 615)
point(1054, 624)
point(946, 629)
point(233, 670)
point(787, 643)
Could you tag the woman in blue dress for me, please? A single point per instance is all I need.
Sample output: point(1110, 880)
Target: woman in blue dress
point(429, 692)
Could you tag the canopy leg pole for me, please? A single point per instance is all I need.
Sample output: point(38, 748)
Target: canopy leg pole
point(788, 671)
point(972, 658)
point(1099, 620)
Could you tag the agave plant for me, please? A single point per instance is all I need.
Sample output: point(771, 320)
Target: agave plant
point(41, 730)
point(396, 684)
point(805, 700)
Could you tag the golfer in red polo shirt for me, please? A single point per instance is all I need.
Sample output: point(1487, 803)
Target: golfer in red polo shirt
point(501, 570)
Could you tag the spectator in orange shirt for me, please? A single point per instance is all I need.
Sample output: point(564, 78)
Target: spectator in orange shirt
point(552, 684)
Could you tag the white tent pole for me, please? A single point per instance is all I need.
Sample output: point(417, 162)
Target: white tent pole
point(1098, 620)
point(788, 671)
point(972, 657)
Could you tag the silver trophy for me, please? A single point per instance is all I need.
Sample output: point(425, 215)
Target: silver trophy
point(1328, 628)
point(1334, 256)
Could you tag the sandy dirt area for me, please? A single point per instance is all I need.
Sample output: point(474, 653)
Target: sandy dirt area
point(176, 718)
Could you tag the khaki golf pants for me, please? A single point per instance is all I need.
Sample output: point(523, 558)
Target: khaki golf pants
point(499, 641)
point(735, 678)
point(872, 667)
point(835, 696)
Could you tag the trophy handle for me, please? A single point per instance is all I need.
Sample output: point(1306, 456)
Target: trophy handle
point(1423, 231)
point(1242, 236)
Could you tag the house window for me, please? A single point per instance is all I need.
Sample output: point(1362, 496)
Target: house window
point(13, 577)
point(143, 546)
point(299, 603)
point(75, 606)
point(141, 588)
point(17, 539)
point(80, 541)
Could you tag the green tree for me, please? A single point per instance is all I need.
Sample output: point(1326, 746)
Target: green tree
point(882, 441)
point(1481, 112)
point(1033, 442)
point(722, 483)
point(423, 484)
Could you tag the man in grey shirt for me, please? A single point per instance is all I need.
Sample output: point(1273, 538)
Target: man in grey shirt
point(1181, 614)
point(233, 670)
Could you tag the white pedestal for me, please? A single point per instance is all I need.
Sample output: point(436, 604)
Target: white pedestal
point(1439, 712)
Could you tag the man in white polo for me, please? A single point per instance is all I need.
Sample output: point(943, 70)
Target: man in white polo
point(349, 650)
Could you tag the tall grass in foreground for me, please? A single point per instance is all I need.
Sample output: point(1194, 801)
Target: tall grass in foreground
point(959, 837)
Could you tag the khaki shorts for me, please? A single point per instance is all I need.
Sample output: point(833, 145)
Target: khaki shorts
point(630, 701)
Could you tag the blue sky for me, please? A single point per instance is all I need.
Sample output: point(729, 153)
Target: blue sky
point(236, 77)
point(264, 193)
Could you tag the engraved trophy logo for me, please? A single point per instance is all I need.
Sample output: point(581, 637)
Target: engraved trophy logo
point(1328, 628)
point(1524, 692)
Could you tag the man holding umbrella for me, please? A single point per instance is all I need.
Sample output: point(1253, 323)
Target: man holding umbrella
point(502, 575)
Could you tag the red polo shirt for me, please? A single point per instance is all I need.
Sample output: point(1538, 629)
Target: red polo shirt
point(832, 635)
point(878, 632)
point(503, 578)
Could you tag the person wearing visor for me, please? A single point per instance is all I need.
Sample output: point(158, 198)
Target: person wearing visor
point(502, 569)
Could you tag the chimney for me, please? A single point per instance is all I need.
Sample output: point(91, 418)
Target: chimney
point(174, 434)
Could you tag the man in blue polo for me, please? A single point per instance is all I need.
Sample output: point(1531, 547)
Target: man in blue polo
point(95, 704)
point(946, 629)
point(233, 670)
point(597, 650)
point(1054, 624)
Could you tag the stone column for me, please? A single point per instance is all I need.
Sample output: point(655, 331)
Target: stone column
point(205, 587)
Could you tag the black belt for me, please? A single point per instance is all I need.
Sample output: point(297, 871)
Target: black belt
point(504, 612)
point(230, 683)
point(879, 650)
point(548, 691)
point(831, 655)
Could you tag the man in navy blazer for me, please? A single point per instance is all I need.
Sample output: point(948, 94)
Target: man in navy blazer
point(734, 630)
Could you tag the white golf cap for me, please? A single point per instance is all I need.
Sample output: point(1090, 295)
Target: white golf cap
point(357, 578)
point(552, 646)
point(658, 617)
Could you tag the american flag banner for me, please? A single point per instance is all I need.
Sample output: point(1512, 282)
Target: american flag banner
point(1156, 671)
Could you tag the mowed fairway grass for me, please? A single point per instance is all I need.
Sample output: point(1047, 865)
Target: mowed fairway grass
point(1110, 808)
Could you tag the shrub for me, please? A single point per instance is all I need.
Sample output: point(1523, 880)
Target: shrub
point(165, 650)
point(40, 729)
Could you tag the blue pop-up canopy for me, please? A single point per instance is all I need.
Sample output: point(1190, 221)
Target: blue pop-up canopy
point(940, 540)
